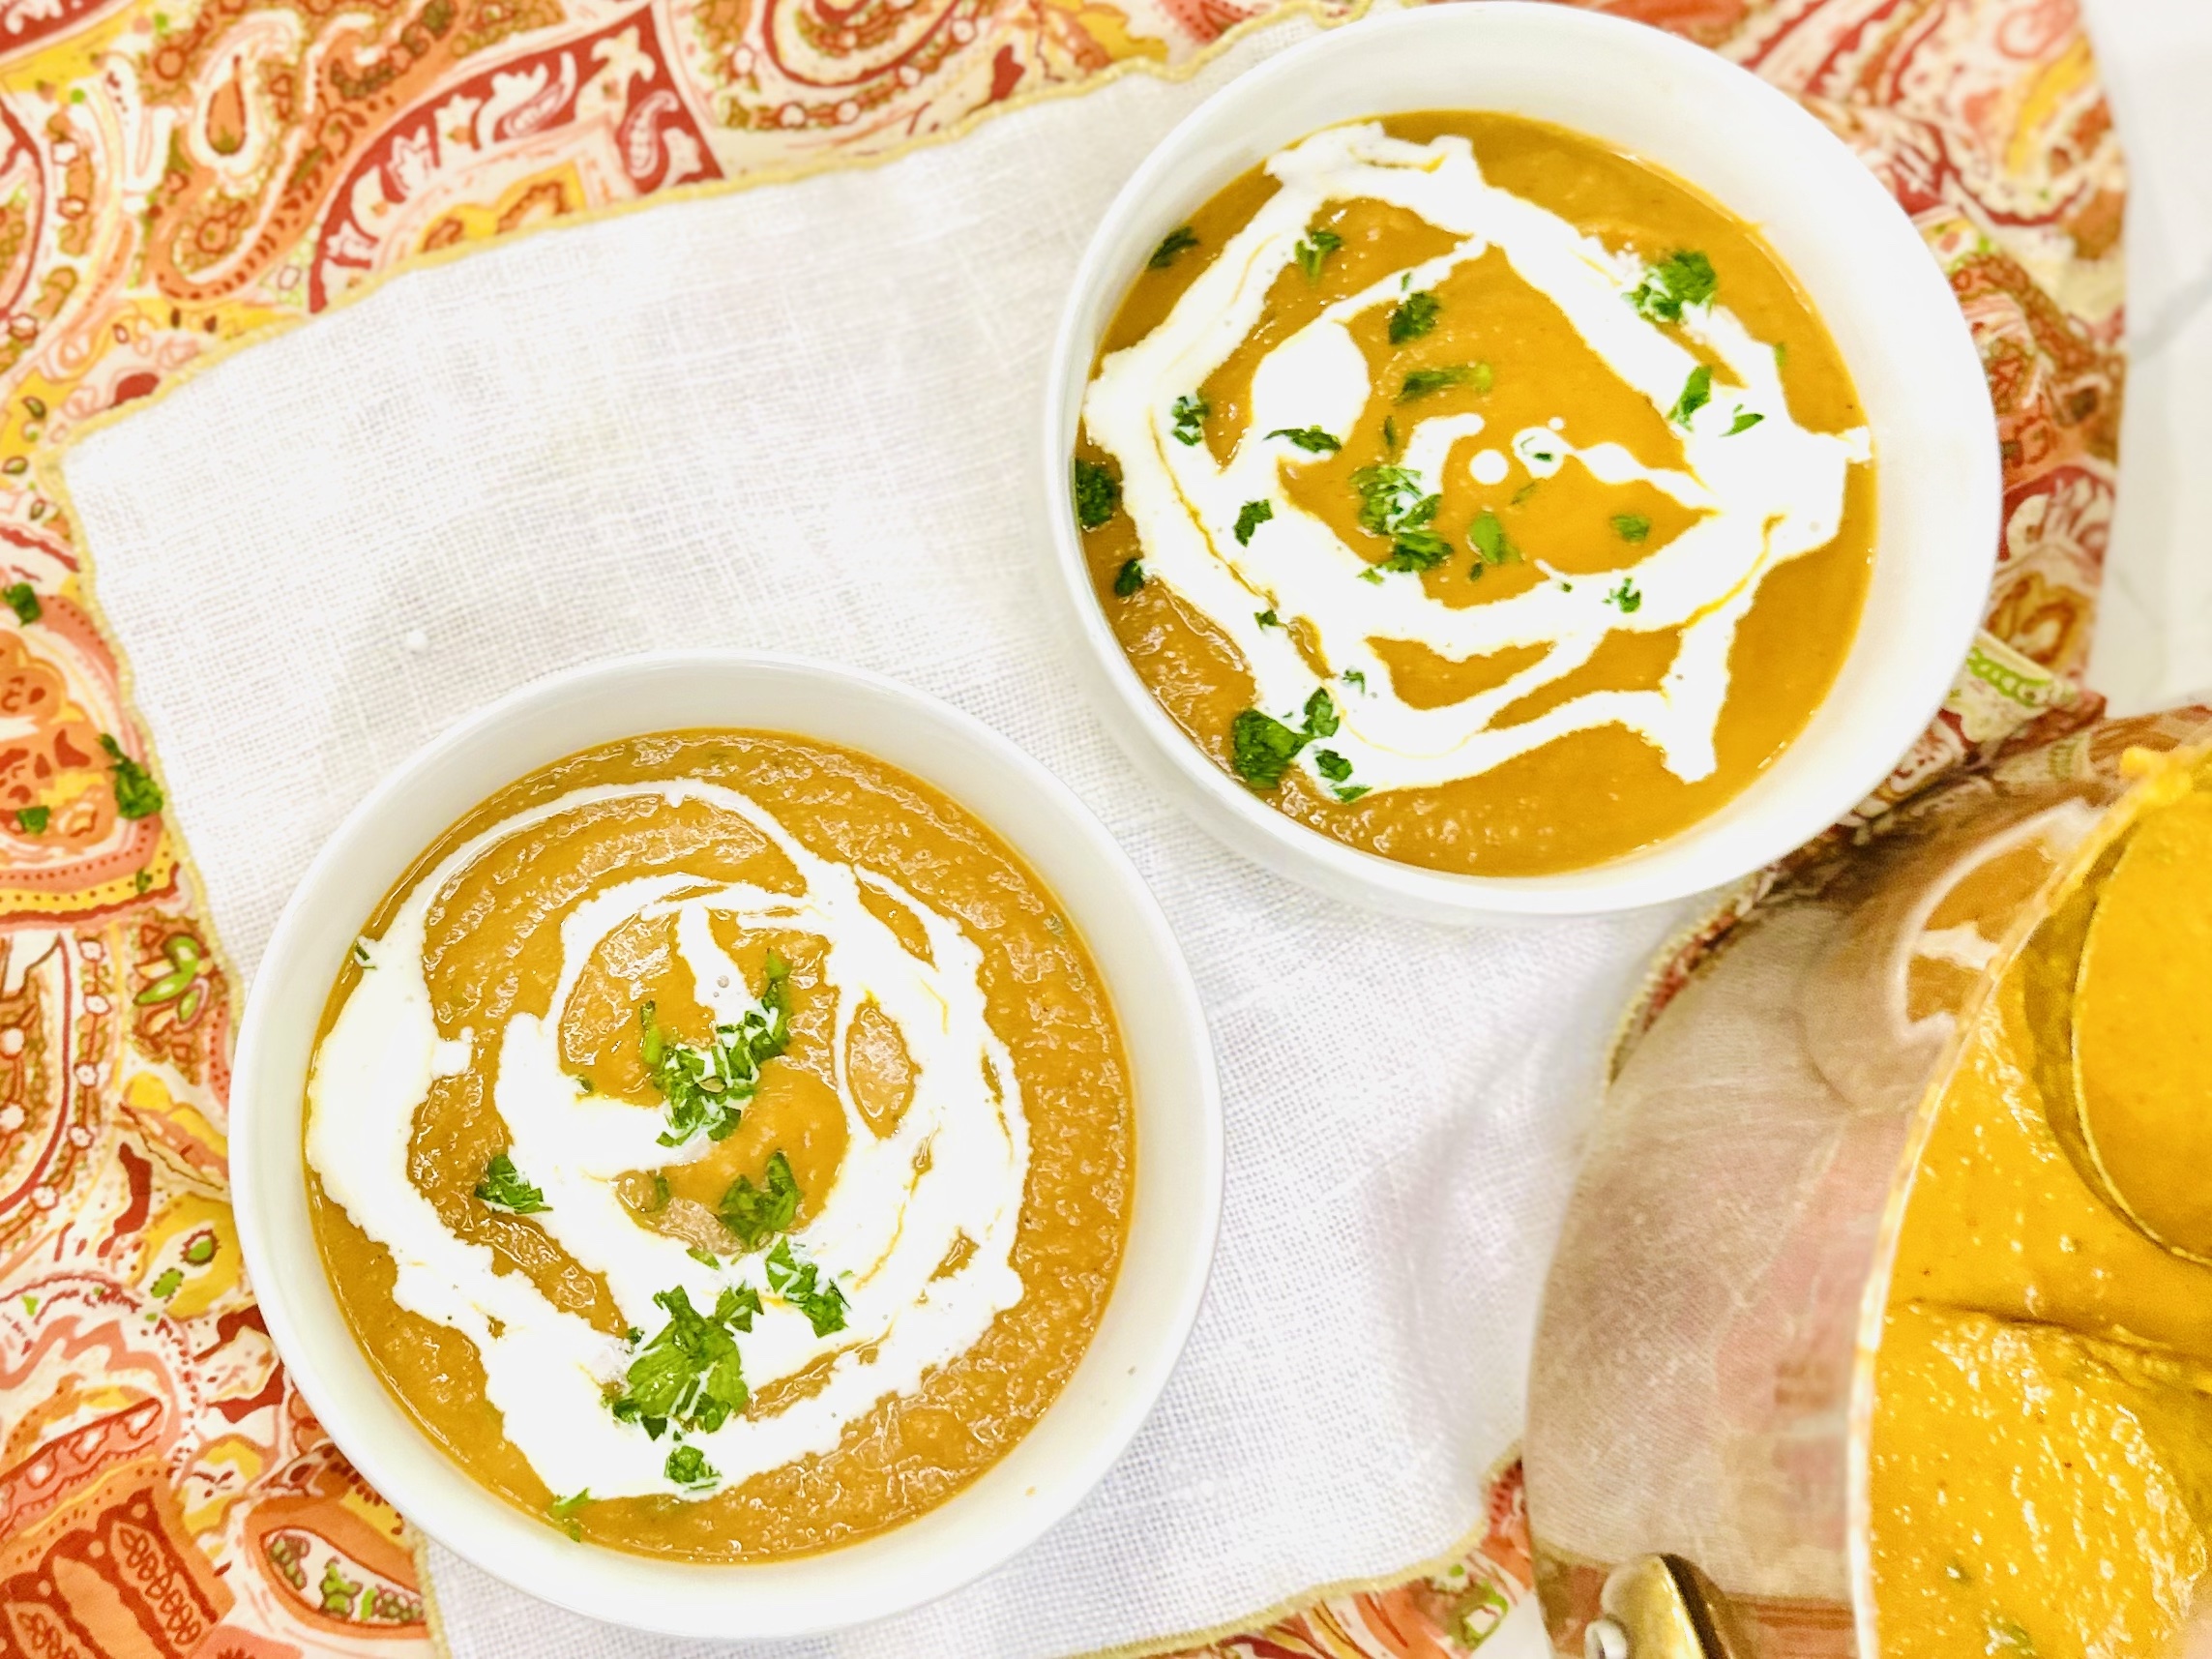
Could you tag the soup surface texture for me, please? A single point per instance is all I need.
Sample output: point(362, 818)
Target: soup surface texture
point(721, 1145)
point(2041, 1452)
point(1483, 497)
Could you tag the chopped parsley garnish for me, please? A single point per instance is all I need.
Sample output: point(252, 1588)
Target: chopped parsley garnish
point(754, 1214)
point(1129, 578)
point(1682, 279)
point(1413, 316)
point(136, 794)
point(564, 1509)
point(1492, 546)
point(503, 1188)
point(794, 1281)
point(23, 600)
point(688, 1465)
point(1626, 596)
point(704, 1258)
point(1177, 240)
point(1423, 381)
point(1191, 414)
point(1267, 618)
point(1630, 526)
point(1318, 245)
point(1332, 765)
point(1250, 517)
point(1354, 678)
point(1354, 793)
point(1745, 420)
point(1388, 436)
point(709, 1088)
point(1385, 494)
point(1098, 494)
point(361, 954)
point(1311, 439)
point(688, 1375)
point(1392, 504)
point(1521, 495)
point(1696, 393)
point(1417, 549)
point(32, 821)
point(1261, 747)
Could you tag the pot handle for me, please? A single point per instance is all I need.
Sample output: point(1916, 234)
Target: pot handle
point(1662, 1606)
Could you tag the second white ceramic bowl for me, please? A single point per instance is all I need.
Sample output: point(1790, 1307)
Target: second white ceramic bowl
point(1174, 1214)
point(1869, 273)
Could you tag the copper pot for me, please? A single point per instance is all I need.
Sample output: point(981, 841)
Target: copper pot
point(1701, 1392)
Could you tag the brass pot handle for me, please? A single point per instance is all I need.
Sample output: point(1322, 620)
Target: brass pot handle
point(1662, 1606)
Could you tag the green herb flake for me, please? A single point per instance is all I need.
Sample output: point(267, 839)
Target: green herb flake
point(1181, 239)
point(1250, 517)
point(688, 1465)
point(564, 1510)
point(33, 820)
point(688, 1374)
point(704, 1258)
point(1267, 618)
point(1352, 793)
point(1332, 765)
point(1626, 596)
point(1098, 494)
point(1696, 393)
point(795, 1281)
point(136, 794)
point(1321, 714)
point(1190, 412)
point(1261, 747)
point(1417, 549)
point(1490, 541)
point(1318, 245)
point(1745, 419)
point(1630, 526)
point(1371, 575)
point(1386, 495)
point(1129, 578)
point(23, 600)
point(503, 1188)
point(1388, 436)
point(709, 1088)
point(754, 1214)
point(1423, 381)
point(1413, 316)
point(1354, 678)
point(1684, 277)
point(1311, 439)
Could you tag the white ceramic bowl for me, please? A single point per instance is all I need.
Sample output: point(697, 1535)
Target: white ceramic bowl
point(1873, 279)
point(1176, 1206)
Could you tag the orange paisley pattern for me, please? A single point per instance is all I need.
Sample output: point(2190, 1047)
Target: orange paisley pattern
point(179, 176)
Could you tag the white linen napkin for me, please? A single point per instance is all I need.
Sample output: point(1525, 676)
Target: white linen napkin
point(804, 418)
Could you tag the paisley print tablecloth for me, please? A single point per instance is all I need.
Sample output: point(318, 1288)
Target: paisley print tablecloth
point(176, 178)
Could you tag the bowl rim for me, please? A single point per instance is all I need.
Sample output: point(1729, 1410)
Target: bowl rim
point(1668, 871)
point(840, 1589)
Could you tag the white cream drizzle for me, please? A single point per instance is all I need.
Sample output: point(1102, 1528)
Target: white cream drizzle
point(880, 1234)
point(1767, 494)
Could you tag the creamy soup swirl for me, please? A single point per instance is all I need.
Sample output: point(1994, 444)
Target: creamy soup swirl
point(1304, 609)
point(916, 1234)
